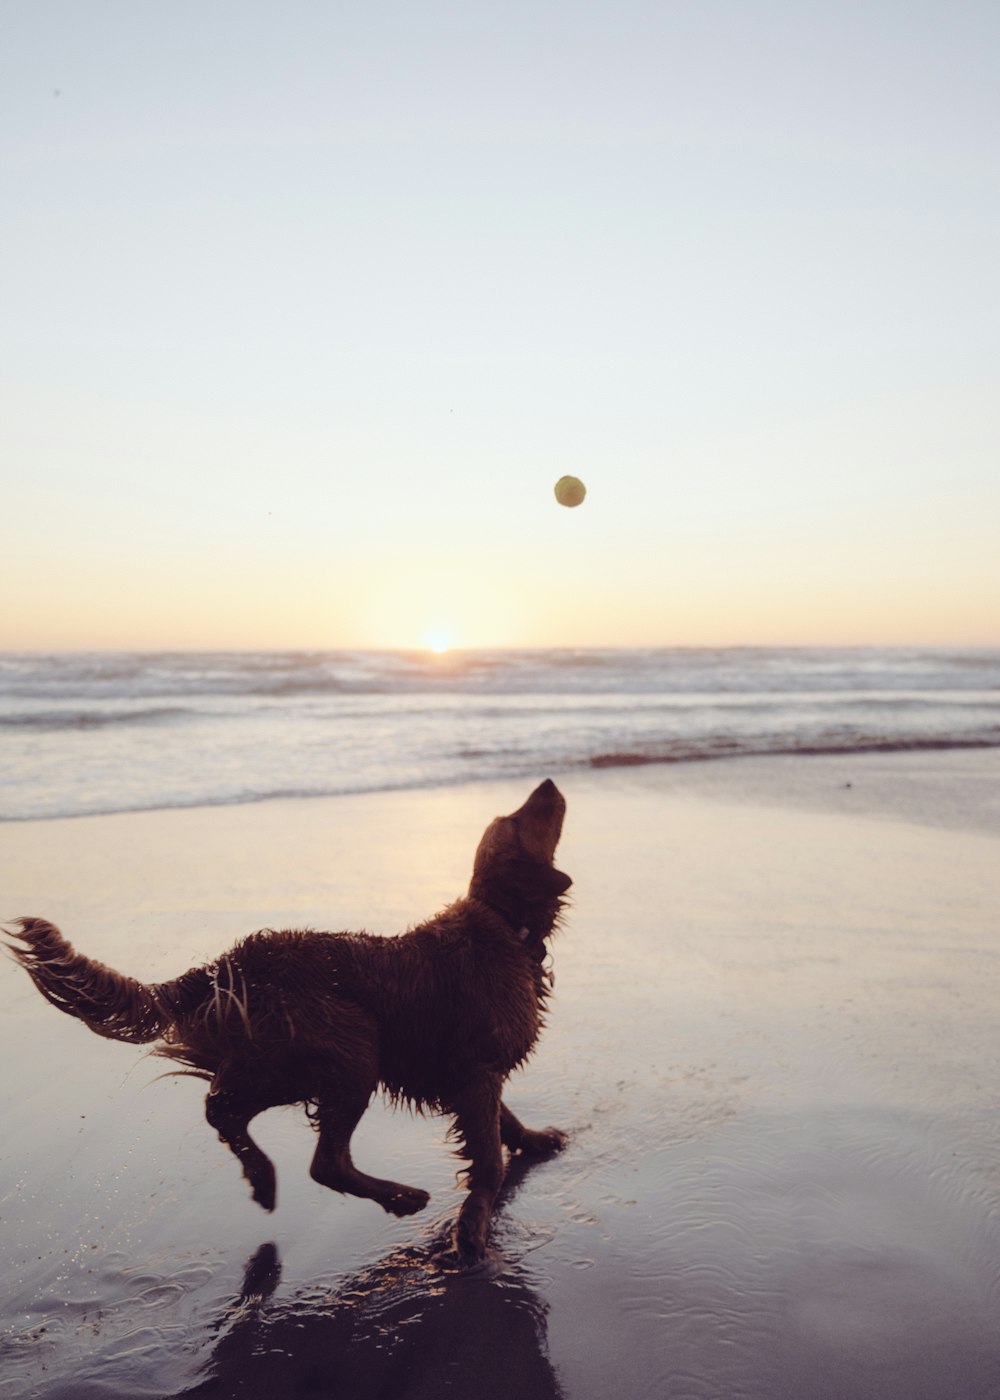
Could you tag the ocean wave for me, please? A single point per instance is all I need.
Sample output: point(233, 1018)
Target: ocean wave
point(691, 710)
point(559, 671)
point(90, 719)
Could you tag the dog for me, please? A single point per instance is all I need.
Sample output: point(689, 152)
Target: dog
point(438, 1017)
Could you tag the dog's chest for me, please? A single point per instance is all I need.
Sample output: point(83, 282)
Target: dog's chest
point(501, 1026)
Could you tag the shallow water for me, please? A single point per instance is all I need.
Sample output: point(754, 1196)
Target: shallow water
point(772, 1042)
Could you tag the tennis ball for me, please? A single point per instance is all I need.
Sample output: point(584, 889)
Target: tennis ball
point(570, 491)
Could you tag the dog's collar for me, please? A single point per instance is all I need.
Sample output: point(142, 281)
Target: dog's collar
point(522, 934)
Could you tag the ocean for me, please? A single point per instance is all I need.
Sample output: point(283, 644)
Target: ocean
point(84, 733)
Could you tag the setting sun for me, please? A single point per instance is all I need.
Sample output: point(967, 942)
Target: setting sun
point(439, 639)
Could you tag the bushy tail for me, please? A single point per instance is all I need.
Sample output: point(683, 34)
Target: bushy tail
point(111, 1005)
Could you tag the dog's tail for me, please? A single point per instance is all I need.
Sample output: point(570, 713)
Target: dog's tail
point(114, 1006)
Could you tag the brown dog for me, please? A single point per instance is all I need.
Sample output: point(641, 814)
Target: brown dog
point(438, 1017)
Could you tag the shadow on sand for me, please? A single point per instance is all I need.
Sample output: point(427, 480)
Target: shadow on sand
point(414, 1325)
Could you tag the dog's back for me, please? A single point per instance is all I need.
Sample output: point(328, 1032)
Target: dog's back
point(453, 997)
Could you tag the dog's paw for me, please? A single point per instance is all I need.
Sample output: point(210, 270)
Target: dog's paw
point(486, 1262)
point(407, 1200)
point(472, 1227)
point(264, 1187)
point(469, 1244)
point(543, 1142)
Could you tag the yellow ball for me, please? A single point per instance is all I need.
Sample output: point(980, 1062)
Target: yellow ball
point(570, 491)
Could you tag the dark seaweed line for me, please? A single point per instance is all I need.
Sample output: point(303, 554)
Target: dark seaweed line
point(736, 750)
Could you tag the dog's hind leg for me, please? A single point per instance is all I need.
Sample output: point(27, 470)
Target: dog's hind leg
point(229, 1107)
point(338, 1114)
point(536, 1142)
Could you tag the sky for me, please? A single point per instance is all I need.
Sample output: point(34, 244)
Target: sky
point(306, 306)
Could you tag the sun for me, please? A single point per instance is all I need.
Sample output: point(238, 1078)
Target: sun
point(439, 639)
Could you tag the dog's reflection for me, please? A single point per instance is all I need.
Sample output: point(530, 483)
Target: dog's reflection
point(414, 1325)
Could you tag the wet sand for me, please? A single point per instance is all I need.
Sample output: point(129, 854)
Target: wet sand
point(773, 1041)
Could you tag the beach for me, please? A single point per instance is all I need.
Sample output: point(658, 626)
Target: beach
point(772, 1042)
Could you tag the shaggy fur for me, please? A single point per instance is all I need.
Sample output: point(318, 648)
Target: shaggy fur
point(438, 1017)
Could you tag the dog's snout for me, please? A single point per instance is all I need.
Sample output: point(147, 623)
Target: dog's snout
point(546, 796)
point(540, 819)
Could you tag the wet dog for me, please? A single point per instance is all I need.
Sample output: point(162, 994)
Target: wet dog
point(437, 1017)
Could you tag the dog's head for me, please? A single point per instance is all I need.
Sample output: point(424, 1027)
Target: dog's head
point(513, 871)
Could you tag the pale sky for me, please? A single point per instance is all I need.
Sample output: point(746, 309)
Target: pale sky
point(306, 305)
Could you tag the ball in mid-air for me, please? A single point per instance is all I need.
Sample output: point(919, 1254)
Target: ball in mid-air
point(570, 491)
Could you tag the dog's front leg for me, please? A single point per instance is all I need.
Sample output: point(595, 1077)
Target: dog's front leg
point(477, 1123)
point(536, 1142)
